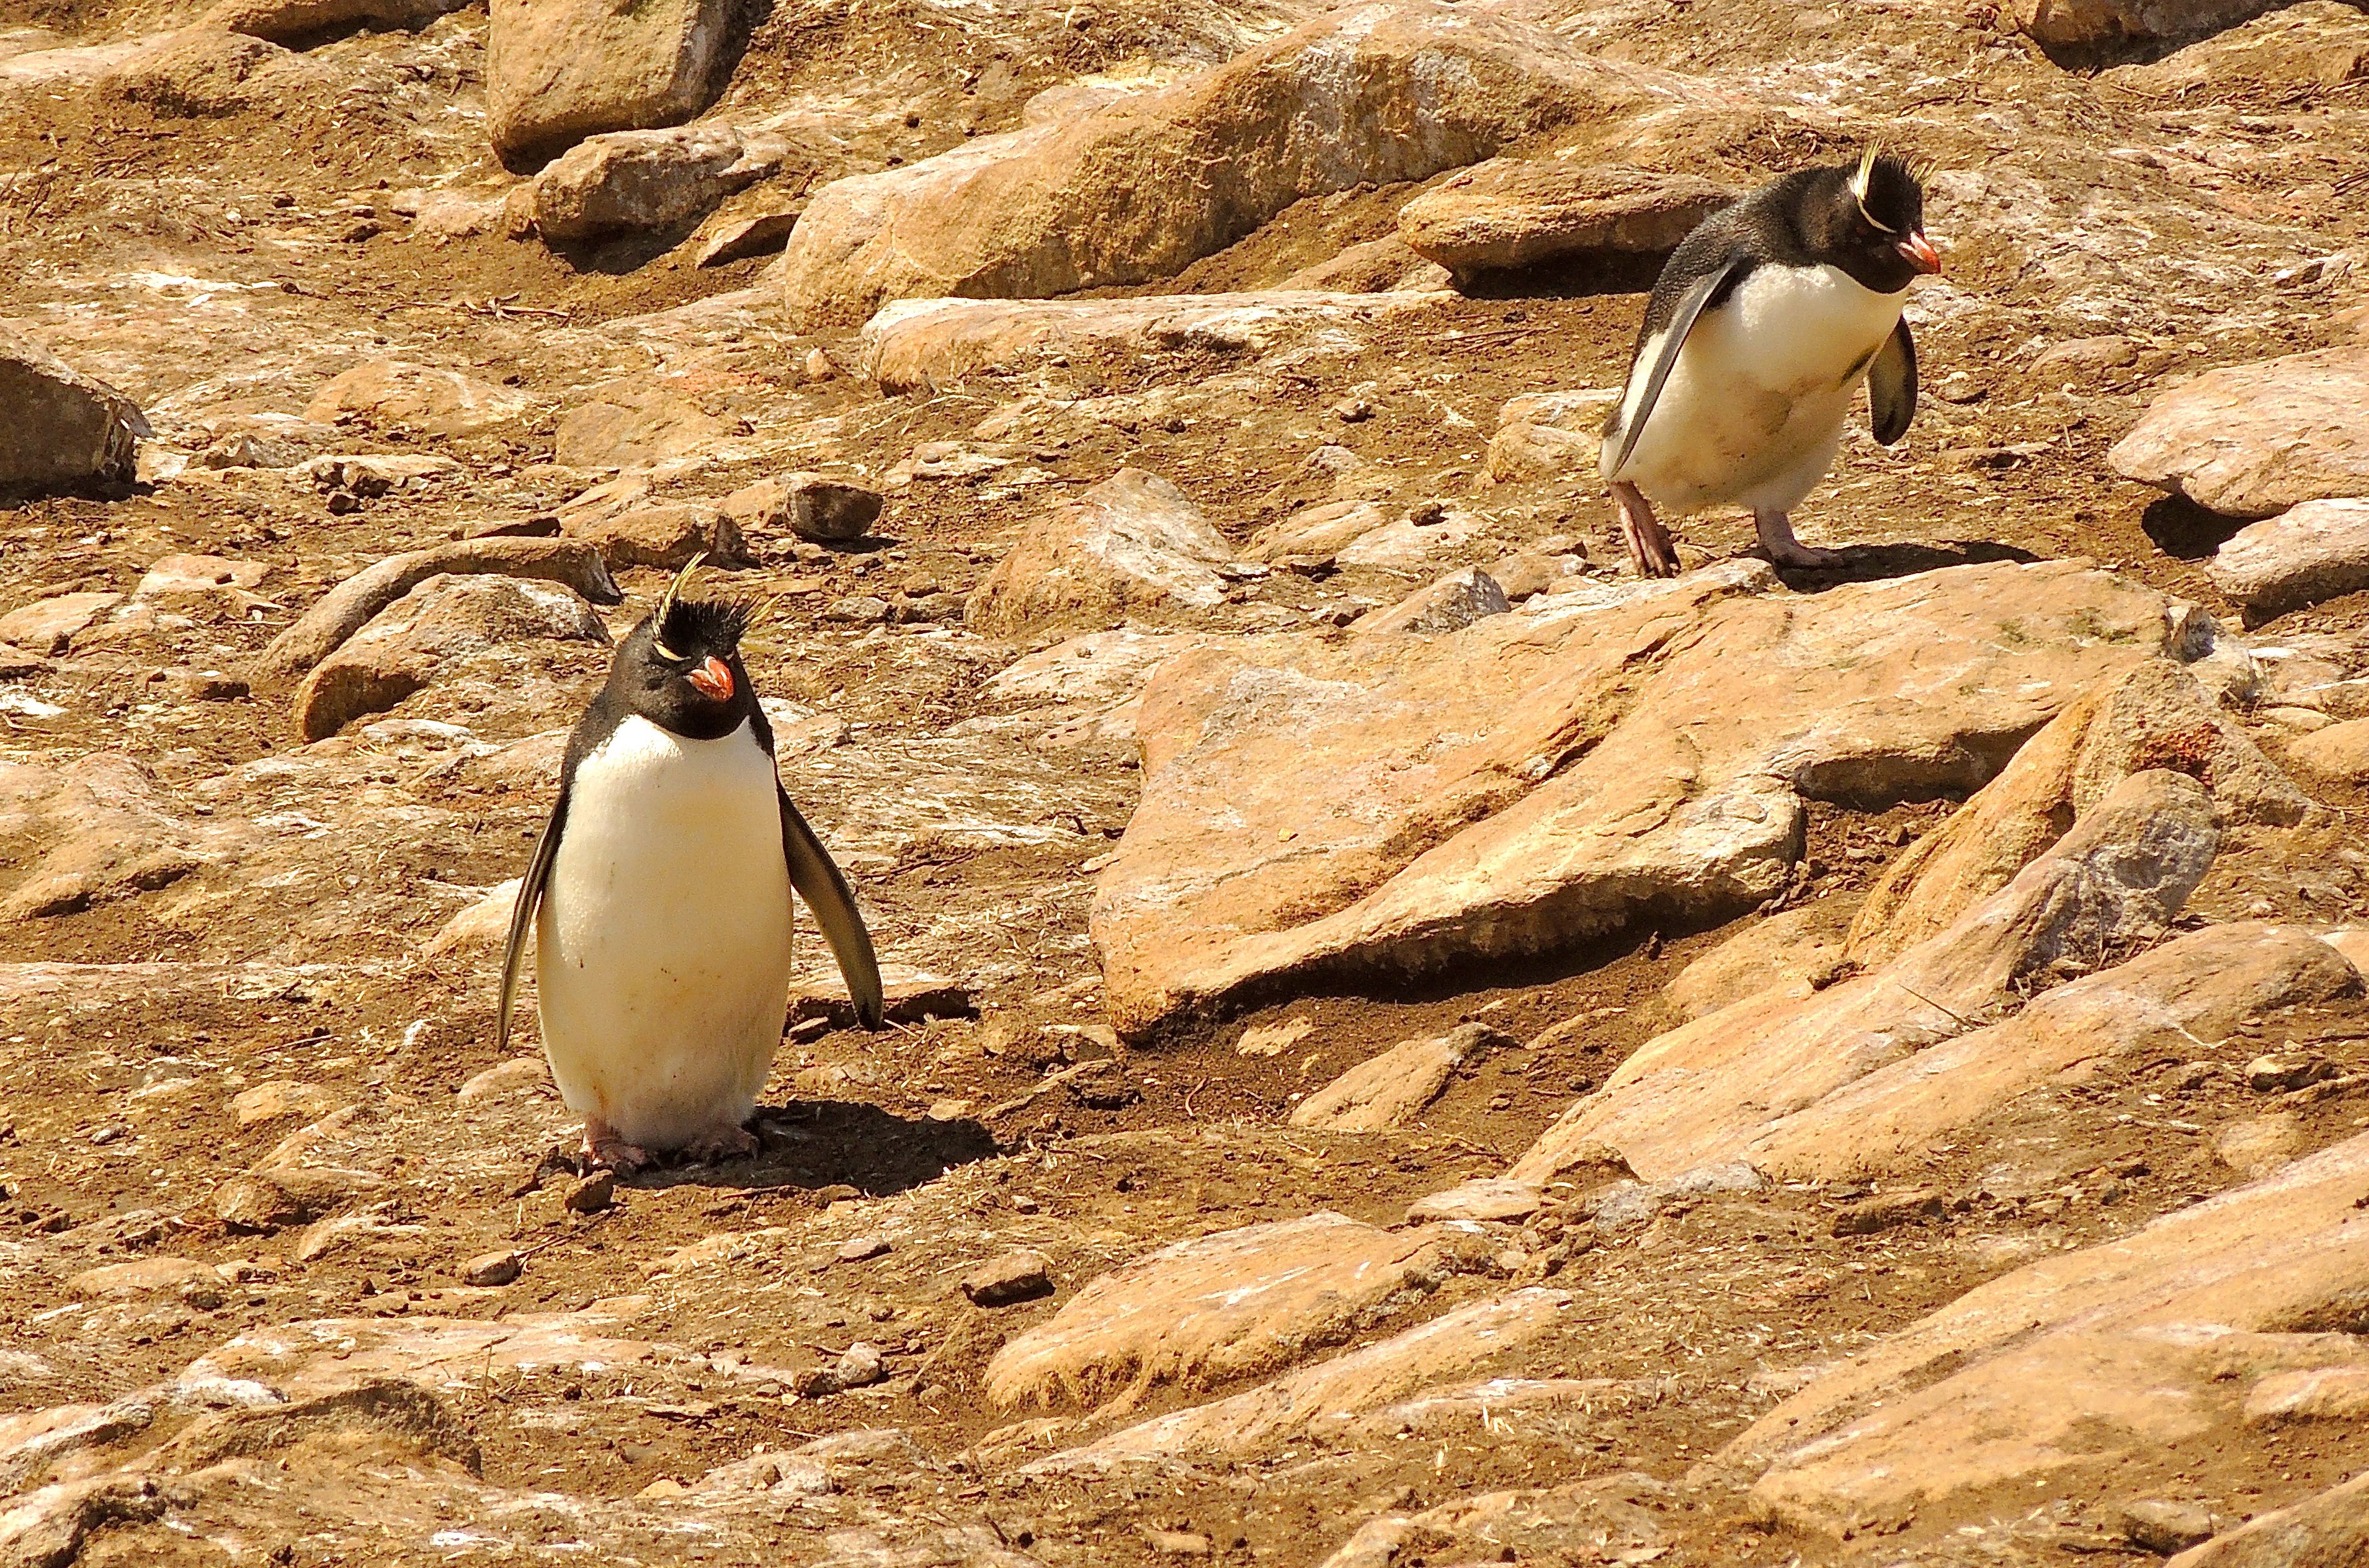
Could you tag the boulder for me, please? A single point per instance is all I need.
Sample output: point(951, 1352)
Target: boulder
point(434, 402)
point(921, 345)
point(92, 833)
point(1711, 1090)
point(445, 619)
point(2328, 1529)
point(1233, 1304)
point(1510, 212)
point(2156, 716)
point(1352, 96)
point(346, 608)
point(63, 427)
point(2338, 751)
point(1317, 533)
point(557, 71)
point(1463, 1344)
point(1567, 772)
point(203, 72)
point(2320, 43)
point(2201, 986)
point(2098, 24)
point(2313, 551)
point(48, 626)
point(647, 180)
point(1548, 435)
point(634, 422)
point(665, 536)
point(1392, 1089)
point(298, 22)
point(1132, 545)
point(813, 506)
point(1452, 604)
point(2070, 1374)
point(1799, 949)
point(2251, 441)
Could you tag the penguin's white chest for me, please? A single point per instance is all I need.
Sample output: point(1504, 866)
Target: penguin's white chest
point(1754, 408)
point(662, 959)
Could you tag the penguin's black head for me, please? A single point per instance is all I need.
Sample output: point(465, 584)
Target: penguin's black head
point(1868, 218)
point(680, 668)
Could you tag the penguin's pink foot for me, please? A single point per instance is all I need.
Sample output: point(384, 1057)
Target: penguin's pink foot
point(1650, 546)
point(604, 1146)
point(730, 1141)
point(1777, 537)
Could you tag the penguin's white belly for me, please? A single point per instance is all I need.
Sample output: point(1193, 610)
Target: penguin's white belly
point(1754, 408)
point(662, 958)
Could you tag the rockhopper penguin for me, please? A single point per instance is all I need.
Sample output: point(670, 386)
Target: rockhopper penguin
point(1761, 327)
point(660, 896)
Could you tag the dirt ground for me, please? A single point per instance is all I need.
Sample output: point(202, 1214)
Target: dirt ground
point(221, 268)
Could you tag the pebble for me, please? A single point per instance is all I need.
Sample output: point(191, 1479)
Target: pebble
point(2154, 1525)
point(1014, 1277)
point(1178, 1543)
point(593, 1193)
point(859, 1248)
point(819, 365)
point(490, 1268)
point(2267, 1074)
point(257, 1206)
point(1886, 1211)
point(857, 608)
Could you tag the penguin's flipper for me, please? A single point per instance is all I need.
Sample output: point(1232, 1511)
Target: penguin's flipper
point(816, 878)
point(1892, 386)
point(529, 897)
point(1664, 349)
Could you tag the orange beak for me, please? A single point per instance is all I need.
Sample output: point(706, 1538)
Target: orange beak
point(714, 681)
point(1920, 252)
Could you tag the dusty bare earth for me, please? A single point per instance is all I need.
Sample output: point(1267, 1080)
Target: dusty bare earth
point(235, 1053)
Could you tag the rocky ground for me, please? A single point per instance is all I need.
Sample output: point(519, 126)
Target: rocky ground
point(1409, 1044)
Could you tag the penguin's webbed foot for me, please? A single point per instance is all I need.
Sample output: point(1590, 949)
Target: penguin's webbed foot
point(730, 1141)
point(1776, 531)
point(605, 1147)
point(1650, 545)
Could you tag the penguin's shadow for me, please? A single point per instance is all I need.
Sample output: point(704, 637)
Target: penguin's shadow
point(1872, 562)
point(822, 1143)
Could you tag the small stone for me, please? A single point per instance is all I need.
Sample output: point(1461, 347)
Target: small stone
point(816, 1382)
point(1178, 1543)
point(255, 1205)
point(503, 1077)
point(490, 1268)
point(2268, 1074)
point(1014, 1277)
point(1886, 1211)
point(861, 1367)
point(593, 1193)
point(818, 366)
point(1960, 388)
point(857, 609)
point(860, 1248)
point(1482, 1198)
point(819, 509)
point(2154, 1525)
point(1352, 410)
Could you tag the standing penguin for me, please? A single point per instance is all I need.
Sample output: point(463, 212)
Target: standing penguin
point(1761, 327)
point(660, 895)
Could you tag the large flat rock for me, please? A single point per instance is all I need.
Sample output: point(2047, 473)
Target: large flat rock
point(1711, 1090)
point(1511, 212)
point(2094, 1367)
point(1132, 545)
point(2157, 715)
point(2309, 553)
point(917, 344)
point(1567, 772)
point(2251, 441)
point(2200, 986)
point(1236, 1303)
point(1361, 94)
